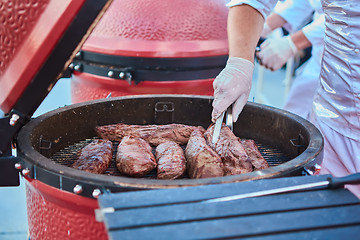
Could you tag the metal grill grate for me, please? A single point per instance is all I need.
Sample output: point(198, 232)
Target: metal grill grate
point(68, 156)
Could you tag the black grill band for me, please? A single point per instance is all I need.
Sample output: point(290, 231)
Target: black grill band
point(148, 69)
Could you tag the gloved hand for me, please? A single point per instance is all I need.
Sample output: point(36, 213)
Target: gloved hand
point(275, 52)
point(232, 85)
point(266, 31)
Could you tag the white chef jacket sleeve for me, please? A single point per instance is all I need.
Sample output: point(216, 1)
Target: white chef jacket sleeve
point(315, 31)
point(265, 7)
point(295, 12)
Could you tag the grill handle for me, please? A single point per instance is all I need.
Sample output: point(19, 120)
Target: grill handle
point(341, 181)
point(331, 182)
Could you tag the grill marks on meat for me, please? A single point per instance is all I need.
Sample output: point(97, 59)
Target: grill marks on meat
point(202, 161)
point(231, 151)
point(134, 157)
point(154, 134)
point(95, 157)
point(171, 162)
point(254, 154)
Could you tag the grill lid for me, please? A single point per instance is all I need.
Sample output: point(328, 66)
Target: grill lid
point(40, 39)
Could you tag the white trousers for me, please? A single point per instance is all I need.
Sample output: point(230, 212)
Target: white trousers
point(341, 155)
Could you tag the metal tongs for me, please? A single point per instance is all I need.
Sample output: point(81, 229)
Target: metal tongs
point(218, 123)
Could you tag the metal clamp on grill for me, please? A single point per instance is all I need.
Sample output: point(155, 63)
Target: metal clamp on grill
point(139, 69)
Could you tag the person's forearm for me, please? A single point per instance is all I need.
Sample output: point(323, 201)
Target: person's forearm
point(275, 21)
point(300, 40)
point(245, 25)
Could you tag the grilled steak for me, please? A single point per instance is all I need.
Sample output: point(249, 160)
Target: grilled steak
point(254, 154)
point(95, 157)
point(202, 161)
point(134, 157)
point(154, 134)
point(171, 163)
point(231, 151)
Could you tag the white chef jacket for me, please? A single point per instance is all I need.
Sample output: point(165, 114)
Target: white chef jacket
point(336, 109)
point(337, 101)
point(265, 7)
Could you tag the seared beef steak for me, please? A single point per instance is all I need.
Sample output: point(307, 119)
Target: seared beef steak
point(95, 157)
point(134, 157)
point(231, 151)
point(254, 154)
point(171, 162)
point(202, 161)
point(154, 134)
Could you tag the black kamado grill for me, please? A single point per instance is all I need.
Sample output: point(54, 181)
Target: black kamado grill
point(288, 142)
point(47, 146)
point(61, 200)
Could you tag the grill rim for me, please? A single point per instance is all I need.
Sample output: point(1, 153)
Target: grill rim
point(65, 178)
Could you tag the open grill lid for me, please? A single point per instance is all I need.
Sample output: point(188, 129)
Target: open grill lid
point(39, 40)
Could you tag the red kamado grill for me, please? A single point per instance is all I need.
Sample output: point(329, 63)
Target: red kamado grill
point(152, 47)
point(61, 200)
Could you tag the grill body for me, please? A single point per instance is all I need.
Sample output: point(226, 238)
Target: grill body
point(57, 214)
point(55, 208)
point(152, 47)
point(85, 87)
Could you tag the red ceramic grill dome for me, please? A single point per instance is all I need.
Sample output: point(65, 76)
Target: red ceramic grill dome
point(166, 47)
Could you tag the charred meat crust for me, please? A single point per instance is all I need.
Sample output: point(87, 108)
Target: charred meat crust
point(95, 157)
point(231, 151)
point(134, 157)
point(153, 134)
point(202, 161)
point(254, 154)
point(171, 162)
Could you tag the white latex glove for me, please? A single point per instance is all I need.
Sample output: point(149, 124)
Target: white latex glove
point(275, 52)
point(266, 30)
point(232, 85)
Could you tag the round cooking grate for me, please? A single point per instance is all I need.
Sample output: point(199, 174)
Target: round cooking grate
point(68, 156)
